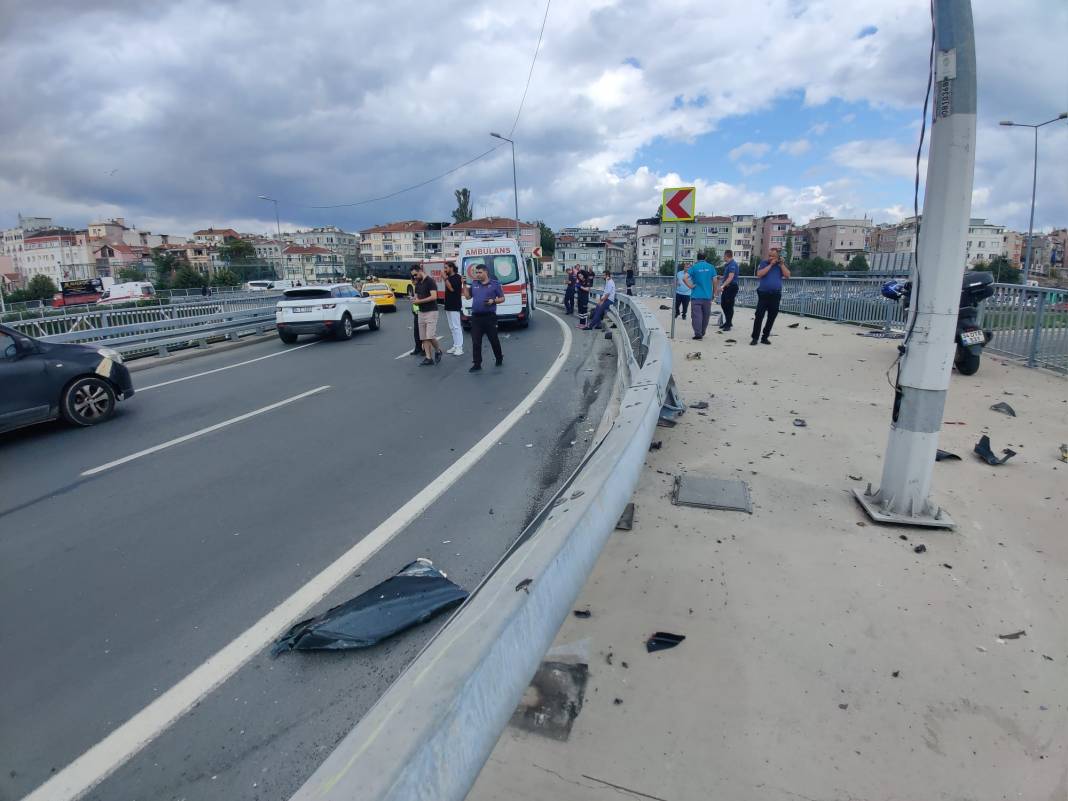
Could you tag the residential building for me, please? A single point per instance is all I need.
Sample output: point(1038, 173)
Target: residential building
point(1015, 248)
point(409, 240)
point(529, 234)
point(112, 230)
point(625, 237)
point(647, 246)
point(330, 237)
point(147, 239)
point(798, 244)
point(269, 251)
point(215, 236)
point(311, 263)
point(14, 238)
point(771, 232)
point(583, 234)
point(110, 257)
point(742, 237)
point(1058, 239)
point(1040, 255)
point(837, 240)
point(60, 254)
point(682, 241)
point(985, 241)
point(200, 256)
point(596, 256)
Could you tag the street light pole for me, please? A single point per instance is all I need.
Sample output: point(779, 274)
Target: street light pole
point(515, 190)
point(1034, 185)
point(277, 223)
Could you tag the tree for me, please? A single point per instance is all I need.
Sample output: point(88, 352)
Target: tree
point(789, 250)
point(548, 239)
point(713, 257)
point(750, 267)
point(813, 268)
point(659, 213)
point(41, 287)
point(166, 263)
point(858, 263)
point(188, 278)
point(237, 251)
point(1004, 272)
point(462, 212)
point(668, 267)
point(225, 278)
point(131, 274)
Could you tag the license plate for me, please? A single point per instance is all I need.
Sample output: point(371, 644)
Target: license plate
point(301, 309)
point(972, 337)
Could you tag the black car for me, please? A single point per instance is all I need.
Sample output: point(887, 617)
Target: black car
point(41, 381)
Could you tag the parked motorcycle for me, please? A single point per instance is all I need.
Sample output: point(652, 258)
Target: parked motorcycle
point(970, 338)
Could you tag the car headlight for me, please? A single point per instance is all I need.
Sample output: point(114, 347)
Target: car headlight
point(108, 353)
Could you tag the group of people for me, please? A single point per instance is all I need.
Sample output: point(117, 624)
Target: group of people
point(485, 294)
point(698, 284)
point(578, 282)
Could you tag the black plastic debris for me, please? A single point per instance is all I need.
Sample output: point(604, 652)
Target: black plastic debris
point(856, 478)
point(583, 613)
point(694, 356)
point(699, 405)
point(947, 565)
point(983, 451)
point(1004, 408)
point(607, 334)
point(523, 585)
point(617, 701)
point(413, 596)
point(663, 640)
point(626, 520)
point(920, 549)
point(1013, 636)
point(800, 423)
point(731, 341)
point(843, 706)
point(946, 456)
point(880, 334)
point(656, 445)
point(896, 674)
point(664, 308)
point(793, 325)
point(664, 422)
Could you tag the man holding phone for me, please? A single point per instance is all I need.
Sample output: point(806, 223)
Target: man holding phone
point(771, 272)
point(485, 294)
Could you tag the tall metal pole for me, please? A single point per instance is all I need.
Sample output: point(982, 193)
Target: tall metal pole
point(928, 348)
point(278, 230)
point(515, 190)
point(1031, 222)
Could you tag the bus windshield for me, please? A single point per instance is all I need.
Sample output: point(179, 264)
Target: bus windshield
point(503, 268)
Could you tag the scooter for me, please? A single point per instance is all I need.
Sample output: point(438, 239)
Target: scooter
point(970, 338)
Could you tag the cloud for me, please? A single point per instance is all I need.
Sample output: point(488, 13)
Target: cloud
point(752, 169)
point(797, 147)
point(878, 157)
point(748, 150)
point(819, 129)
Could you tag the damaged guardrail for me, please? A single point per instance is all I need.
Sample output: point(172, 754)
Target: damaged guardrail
point(428, 736)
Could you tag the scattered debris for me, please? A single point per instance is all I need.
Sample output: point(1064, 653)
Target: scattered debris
point(1047, 656)
point(626, 520)
point(800, 423)
point(530, 445)
point(664, 308)
point(856, 478)
point(896, 674)
point(413, 596)
point(843, 706)
point(1064, 453)
point(921, 548)
point(711, 493)
point(699, 405)
point(625, 665)
point(583, 613)
point(1013, 636)
point(947, 565)
point(617, 701)
point(523, 585)
point(553, 700)
point(663, 640)
point(607, 334)
point(861, 523)
point(793, 325)
point(693, 356)
point(656, 445)
point(946, 456)
point(731, 341)
point(902, 536)
point(1004, 408)
point(577, 494)
point(983, 451)
point(954, 423)
point(608, 657)
point(813, 354)
point(881, 334)
point(664, 422)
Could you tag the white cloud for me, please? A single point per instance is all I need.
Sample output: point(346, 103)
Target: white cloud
point(819, 129)
point(749, 150)
point(879, 157)
point(752, 169)
point(797, 147)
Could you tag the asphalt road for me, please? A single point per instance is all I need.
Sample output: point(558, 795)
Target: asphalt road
point(118, 584)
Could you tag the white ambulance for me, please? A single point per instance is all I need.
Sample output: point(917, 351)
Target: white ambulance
point(503, 260)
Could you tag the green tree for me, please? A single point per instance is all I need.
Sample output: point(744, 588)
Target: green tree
point(813, 268)
point(225, 278)
point(547, 239)
point(858, 263)
point(750, 267)
point(1004, 272)
point(130, 274)
point(668, 267)
point(166, 263)
point(41, 287)
point(462, 212)
point(188, 278)
point(713, 257)
point(237, 251)
point(789, 254)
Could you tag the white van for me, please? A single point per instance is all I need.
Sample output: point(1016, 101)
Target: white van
point(503, 260)
point(127, 292)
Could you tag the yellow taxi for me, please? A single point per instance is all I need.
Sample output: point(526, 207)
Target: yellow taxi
point(381, 294)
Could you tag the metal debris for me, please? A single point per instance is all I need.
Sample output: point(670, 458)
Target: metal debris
point(626, 520)
point(1013, 636)
point(984, 452)
point(946, 456)
point(662, 640)
point(583, 613)
point(799, 423)
point(699, 405)
point(711, 493)
point(1004, 408)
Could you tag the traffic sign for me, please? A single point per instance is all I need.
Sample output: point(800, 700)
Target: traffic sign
point(679, 204)
point(536, 252)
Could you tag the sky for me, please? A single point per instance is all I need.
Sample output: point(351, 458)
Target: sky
point(178, 115)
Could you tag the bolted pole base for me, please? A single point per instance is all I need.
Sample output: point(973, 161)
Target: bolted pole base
point(881, 510)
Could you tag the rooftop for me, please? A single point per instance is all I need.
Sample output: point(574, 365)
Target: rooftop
point(397, 227)
point(492, 223)
point(224, 232)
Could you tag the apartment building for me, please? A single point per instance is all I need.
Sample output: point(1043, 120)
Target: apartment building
point(147, 239)
point(409, 240)
point(215, 236)
point(111, 257)
point(311, 263)
point(647, 246)
point(60, 254)
point(596, 256)
point(330, 237)
point(798, 244)
point(837, 240)
point(682, 241)
point(579, 234)
point(985, 241)
point(529, 234)
point(742, 237)
point(111, 230)
point(625, 238)
point(269, 251)
point(770, 232)
point(14, 239)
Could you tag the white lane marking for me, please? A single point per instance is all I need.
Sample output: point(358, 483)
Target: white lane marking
point(227, 367)
point(406, 353)
point(186, 437)
point(106, 756)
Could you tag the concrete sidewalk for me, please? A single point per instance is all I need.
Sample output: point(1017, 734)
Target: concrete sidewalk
point(824, 659)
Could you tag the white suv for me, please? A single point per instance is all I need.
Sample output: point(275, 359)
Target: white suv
point(327, 309)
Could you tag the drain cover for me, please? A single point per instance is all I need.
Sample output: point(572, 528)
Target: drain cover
point(711, 493)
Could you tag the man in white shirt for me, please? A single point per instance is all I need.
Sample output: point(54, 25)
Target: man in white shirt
point(606, 301)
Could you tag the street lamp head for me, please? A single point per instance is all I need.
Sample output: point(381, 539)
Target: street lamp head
point(1063, 115)
point(1006, 122)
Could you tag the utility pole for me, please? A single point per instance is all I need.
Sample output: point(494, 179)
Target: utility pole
point(928, 348)
point(515, 191)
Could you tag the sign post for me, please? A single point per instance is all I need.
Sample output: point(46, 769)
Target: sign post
point(678, 204)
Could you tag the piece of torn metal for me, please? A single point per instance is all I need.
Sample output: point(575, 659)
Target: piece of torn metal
point(656, 444)
point(626, 520)
point(662, 640)
point(706, 492)
point(984, 452)
point(692, 357)
point(1013, 636)
point(793, 325)
point(1004, 408)
point(799, 423)
point(881, 334)
point(413, 596)
point(699, 405)
point(583, 613)
point(946, 456)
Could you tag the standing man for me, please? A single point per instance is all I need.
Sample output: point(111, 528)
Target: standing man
point(728, 290)
point(569, 291)
point(630, 281)
point(604, 304)
point(585, 281)
point(418, 347)
point(454, 290)
point(426, 298)
point(682, 292)
point(485, 295)
point(704, 285)
point(771, 272)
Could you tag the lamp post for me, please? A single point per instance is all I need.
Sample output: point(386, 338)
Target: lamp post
point(515, 190)
point(1034, 184)
point(277, 223)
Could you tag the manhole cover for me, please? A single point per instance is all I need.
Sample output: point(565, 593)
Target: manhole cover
point(711, 493)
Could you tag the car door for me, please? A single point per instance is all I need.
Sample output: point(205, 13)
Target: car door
point(26, 394)
point(363, 306)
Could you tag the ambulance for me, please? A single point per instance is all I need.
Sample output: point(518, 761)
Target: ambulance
point(503, 260)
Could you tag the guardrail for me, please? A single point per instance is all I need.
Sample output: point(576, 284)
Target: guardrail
point(1029, 323)
point(32, 309)
point(428, 736)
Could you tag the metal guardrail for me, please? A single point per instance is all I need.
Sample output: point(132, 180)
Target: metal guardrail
point(1029, 323)
point(428, 736)
point(31, 309)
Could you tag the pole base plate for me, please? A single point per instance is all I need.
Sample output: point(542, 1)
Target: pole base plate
point(880, 511)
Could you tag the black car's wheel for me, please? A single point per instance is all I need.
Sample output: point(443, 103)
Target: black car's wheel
point(375, 321)
point(287, 336)
point(344, 330)
point(967, 363)
point(87, 401)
